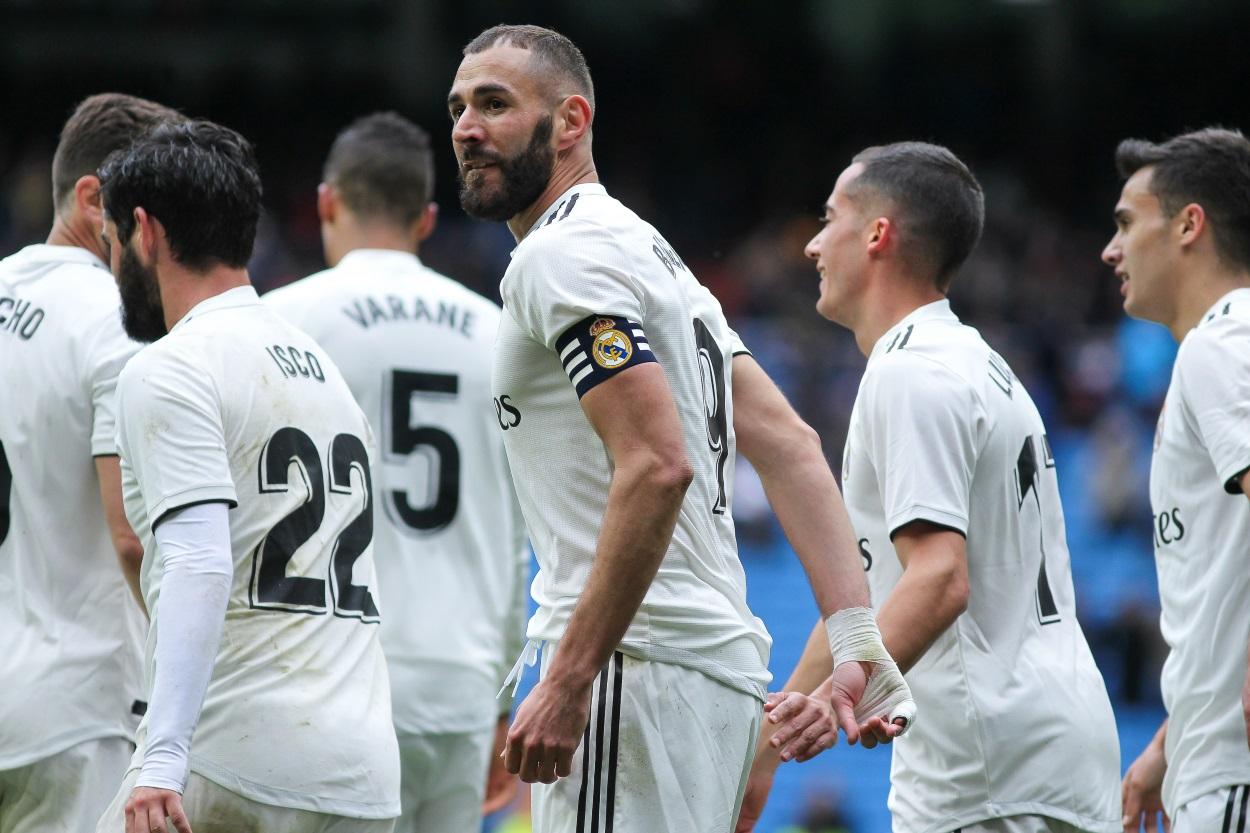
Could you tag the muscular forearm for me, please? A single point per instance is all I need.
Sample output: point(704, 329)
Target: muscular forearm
point(643, 504)
point(786, 453)
point(926, 601)
point(803, 494)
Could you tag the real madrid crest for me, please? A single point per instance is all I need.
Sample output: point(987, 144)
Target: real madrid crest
point(610, 348)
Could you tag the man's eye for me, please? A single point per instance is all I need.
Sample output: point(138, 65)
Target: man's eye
point(495, 104)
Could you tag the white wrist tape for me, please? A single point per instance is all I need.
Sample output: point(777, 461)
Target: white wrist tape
point(854, 637)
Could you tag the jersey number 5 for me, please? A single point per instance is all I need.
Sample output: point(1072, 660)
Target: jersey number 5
point(435, 444)
point(271, 588)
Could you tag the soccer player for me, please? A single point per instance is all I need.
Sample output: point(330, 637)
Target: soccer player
point(952, 490)
point(72, 631)
point(623, 392)
point(1181, 252)
point(449, 542)
point(246, 473)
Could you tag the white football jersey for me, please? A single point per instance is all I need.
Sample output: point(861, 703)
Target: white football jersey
point(449, 543)
point(236, 405)
point(71, 630)
point(591, 291)
point(1202, 545)
point(1016, 719)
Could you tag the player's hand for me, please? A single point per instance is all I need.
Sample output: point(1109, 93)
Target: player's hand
point(847, 686)
point(546, 732)
point(501, 785)
point(759, 785)
point(804, 725)
point(1141, 794)
point(149, 807)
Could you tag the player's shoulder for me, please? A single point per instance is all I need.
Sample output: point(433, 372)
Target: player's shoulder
point(1219, 342)
point(582, 226)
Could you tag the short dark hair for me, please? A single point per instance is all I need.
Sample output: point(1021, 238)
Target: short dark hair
point(551, 50)
point(1210, 167)
point(940, 203)
point(382, 167)
point(199, 180)
point(100, 125)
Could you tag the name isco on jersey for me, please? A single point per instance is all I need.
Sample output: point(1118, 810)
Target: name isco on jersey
point(295, 363)
point(1168, 527)
point(368, 311)
point(21, 318)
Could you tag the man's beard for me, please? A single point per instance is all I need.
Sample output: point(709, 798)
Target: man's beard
point(522, 179)
point(143, 316)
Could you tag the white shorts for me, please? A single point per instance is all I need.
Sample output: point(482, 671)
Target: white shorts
point(66, 792)
point(666, 749)
point(211, 808)
point(1220, 811)
point(443, 781)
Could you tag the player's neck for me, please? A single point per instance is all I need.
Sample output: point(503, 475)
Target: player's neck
point(389, 239)
point(890, 303)
point(70, 231)
point(182, 289)
point(1202, 289)
point(563, 178)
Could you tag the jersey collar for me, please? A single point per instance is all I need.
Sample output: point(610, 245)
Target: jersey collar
point(1237, 295)
point(562, 204)
point(44, 253)
point(240, 296)
point(380, 256)
point(935, 311)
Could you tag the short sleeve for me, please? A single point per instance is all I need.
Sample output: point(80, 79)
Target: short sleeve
point(171, 435)
point(107, 349)
point(1215, 381)
point(922, 423)
point(736, 347)
point(573, 292)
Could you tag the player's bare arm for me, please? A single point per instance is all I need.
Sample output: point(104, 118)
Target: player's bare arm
point(1141, 793)
point(635, 416)
point(125, 542)
point(931, 595)
point(787, 455)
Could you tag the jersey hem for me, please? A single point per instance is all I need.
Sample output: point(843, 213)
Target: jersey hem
point(217, 493)
point(61, 743)
point(278, 797)
point(938, 517)
point(991, 811)
point(1213, 783)
point(1232, 483)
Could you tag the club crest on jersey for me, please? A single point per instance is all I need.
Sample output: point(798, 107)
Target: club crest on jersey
point(611, 348)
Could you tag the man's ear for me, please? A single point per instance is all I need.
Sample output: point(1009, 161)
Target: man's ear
point(327, 203)
point(87, 200)
point(427, 221)
point(149, 235)
point(1191, 222)
point(881, 234)
point(573, 117)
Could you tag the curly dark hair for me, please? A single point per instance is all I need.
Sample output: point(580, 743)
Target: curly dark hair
point(199, 180)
